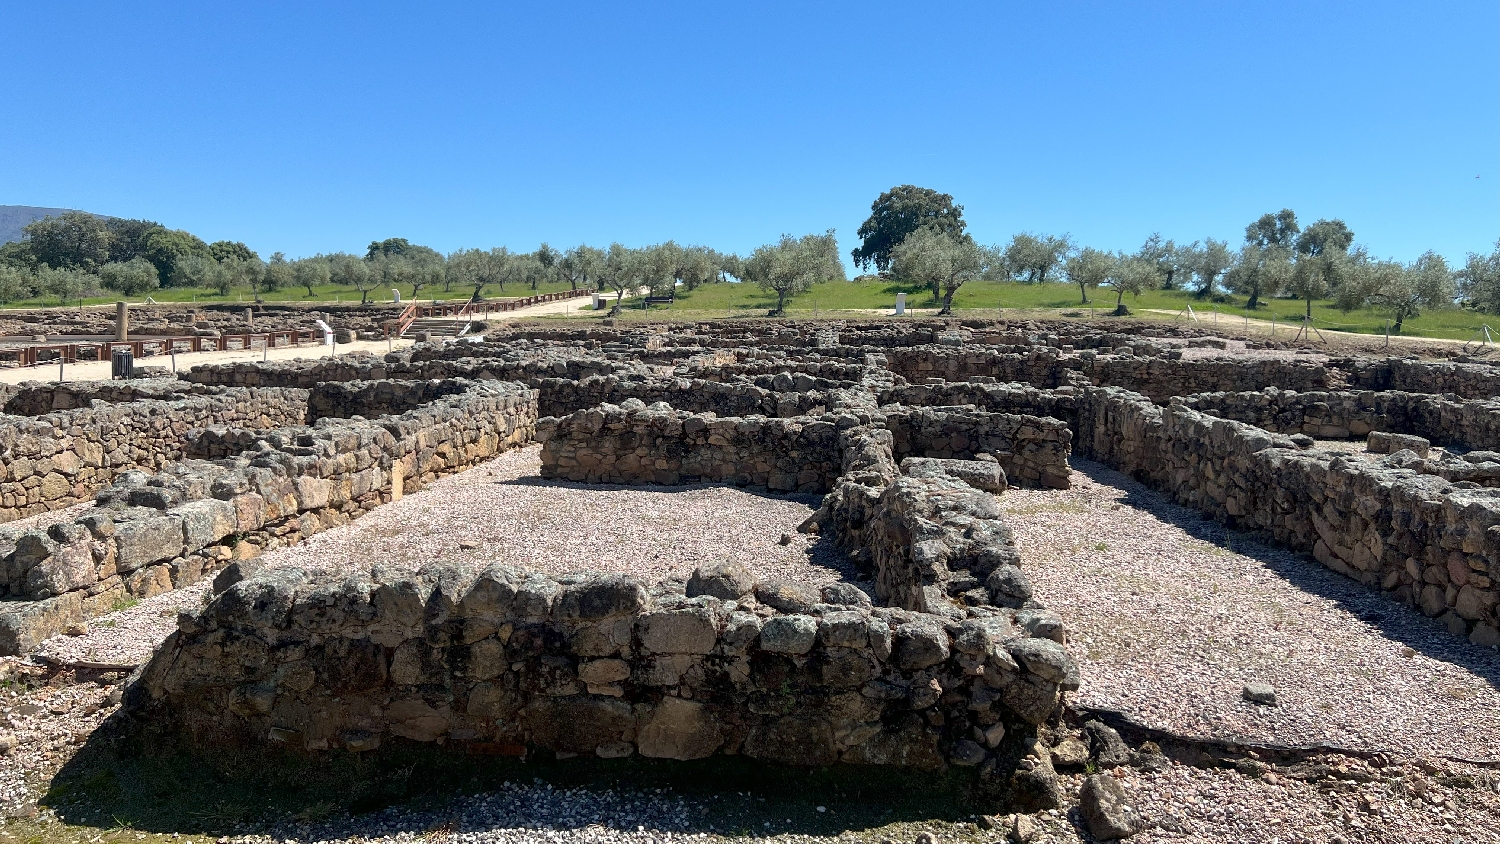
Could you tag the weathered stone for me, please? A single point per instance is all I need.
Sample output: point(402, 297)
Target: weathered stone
point(726, 581)
point(1106, 810)
point(680, 729)
point(788, 634)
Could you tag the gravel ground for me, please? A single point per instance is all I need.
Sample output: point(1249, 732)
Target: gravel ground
point(511, 516)
point(1170, 615)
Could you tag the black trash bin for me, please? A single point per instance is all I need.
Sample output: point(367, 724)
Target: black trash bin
point(121, 363)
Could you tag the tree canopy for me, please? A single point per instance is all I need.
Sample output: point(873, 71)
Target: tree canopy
point(939, 260)
point(1088, 268)
point(793, 265)
point(897, 213)
point(1032, 257)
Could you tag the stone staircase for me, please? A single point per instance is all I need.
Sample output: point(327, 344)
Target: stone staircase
point(437, 327)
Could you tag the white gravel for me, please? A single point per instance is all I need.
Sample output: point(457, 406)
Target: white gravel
point(1170, 615)
point(512, 516)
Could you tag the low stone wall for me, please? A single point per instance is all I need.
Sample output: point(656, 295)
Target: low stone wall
point(1465, 380)
point(1337, 415)
point(1428, 542)
point(638, 444)
point(1032, 450)
point(505, 661)
point(33, 398)
point(994, 397)
point(374, 399)
point(1159, 378)
point(154, 533)
point(564, 396)
point(60, 458)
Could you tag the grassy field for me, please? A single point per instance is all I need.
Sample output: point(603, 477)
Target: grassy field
point(993, 297)
point(976, 298)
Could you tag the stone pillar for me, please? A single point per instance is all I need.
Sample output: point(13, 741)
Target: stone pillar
point(122, 321)
point(250, 317)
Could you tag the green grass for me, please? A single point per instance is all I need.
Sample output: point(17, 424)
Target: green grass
point(981, 298)
point(323, 293)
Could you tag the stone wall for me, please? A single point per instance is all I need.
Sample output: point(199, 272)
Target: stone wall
point(1428, 542)
point(60, 458)
point(1337, 415)
point(1032, 450)
point(564, 396)
point(154, 533)
point(1465, 380)
point(374, 399)
point(34, 398)
point(639, 444)
point(506, 661)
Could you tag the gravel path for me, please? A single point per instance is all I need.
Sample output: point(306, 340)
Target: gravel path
point(1170, 614)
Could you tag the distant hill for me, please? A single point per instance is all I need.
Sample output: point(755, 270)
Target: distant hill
point(13, 218)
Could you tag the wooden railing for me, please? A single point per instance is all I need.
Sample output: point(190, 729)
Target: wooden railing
point(398, 327)
point(31, 355)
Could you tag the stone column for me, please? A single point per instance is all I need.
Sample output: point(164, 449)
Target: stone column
point(250, 317)
point(122, 321)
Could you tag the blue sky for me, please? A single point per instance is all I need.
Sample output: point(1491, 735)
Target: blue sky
point(317, 127)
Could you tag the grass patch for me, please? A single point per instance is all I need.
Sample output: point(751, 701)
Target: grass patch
point(1000, 298)
point(124, 602)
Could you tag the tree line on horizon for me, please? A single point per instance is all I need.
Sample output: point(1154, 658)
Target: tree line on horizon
point(914, 235)
point(918, 235)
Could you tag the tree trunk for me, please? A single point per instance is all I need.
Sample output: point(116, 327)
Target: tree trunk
point(1254, 298)
point(948, 303)
point(310, 292)
point(780, 303)
point(477, 289)
point(1084, 289)
point(364, 297)
point(414, 290)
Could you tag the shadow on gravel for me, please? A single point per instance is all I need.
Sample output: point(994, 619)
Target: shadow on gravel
point(1386, 617)
point(119, 783)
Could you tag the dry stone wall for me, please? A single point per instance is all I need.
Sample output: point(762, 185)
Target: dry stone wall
point(1033, 450)
point(506, 661)
point(1337, 415)
point(1427, 541)
point(154, 533)
point(639, 444)
point(60, 458)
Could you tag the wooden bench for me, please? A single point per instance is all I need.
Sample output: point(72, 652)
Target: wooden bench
point(660, 300)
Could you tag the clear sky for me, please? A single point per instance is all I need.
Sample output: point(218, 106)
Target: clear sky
point(315, 127)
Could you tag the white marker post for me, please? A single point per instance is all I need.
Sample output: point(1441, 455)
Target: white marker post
point(900, 304)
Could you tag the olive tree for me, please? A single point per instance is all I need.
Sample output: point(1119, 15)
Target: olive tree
point(580, 264)
point(1134, 275)
point(73, 239)
point(130, 278)
point(617, 271)
point(66, 283)
point(310, 273)
point(1088, 268)
point(1404, 292)
point(1167, 256)
point(16, 284)
point(939, 260)
point(1032, 257)
point(793, 265)
point(1207, 263)
point(1479, 280)
point(1260, 271)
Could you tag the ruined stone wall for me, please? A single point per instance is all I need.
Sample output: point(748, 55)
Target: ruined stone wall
point(503, 661)
point(993, 397)
point(637, 444)
point(1160, 378)
point(1041, 367)
point(154, 533)
point(1337, 415)
point(34, 398)
point(59, 458)
point(1429, 542)
point(1465, 380)
point(563, 396)
point(374, 399)
point(1032, 450)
